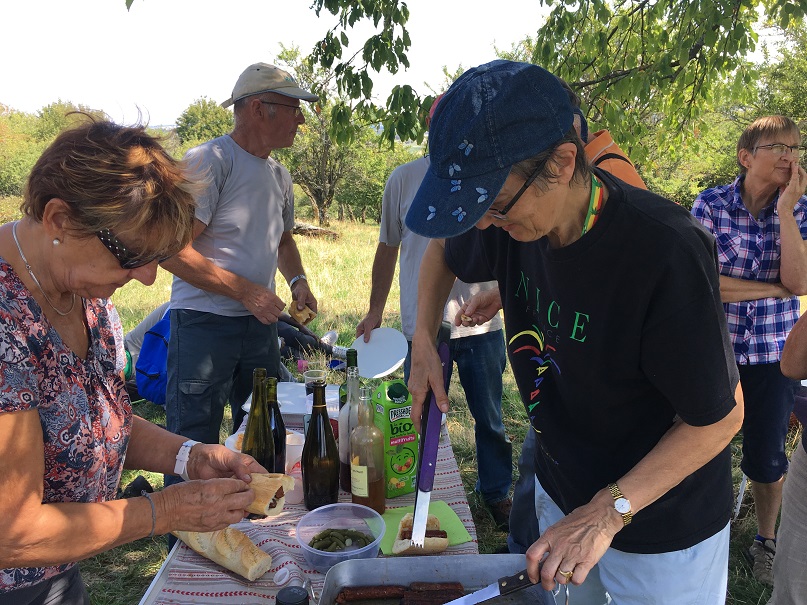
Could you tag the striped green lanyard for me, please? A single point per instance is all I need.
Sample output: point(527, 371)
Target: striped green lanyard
point(595, 204)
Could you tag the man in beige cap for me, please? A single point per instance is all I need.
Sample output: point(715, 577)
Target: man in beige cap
point(223, 303)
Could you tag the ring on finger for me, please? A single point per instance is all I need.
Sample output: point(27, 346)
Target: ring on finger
point(566, 574)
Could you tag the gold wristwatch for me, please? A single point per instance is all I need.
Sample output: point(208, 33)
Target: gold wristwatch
point(621, 503)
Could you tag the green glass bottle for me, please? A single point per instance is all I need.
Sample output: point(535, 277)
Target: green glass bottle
point(320, 459)
point(277, 424)
point(351, 361)
point(258, 440)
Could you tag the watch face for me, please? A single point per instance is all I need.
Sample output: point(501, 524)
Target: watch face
point(622, 505)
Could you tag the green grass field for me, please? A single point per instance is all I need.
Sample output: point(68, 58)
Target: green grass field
point(339, 273)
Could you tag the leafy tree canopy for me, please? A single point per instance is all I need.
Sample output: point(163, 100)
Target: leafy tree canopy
point(628, 59)
point(783, 87)
point(203, 120)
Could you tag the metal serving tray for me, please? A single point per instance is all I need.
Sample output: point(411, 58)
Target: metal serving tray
point(473, 571)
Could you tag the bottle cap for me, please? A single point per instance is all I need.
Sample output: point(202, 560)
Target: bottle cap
point(397, 392)
point(292, 595)
point(282, 576)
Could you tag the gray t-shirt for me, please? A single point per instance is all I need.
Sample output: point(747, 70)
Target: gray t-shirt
point(399, 192)
point(247, 206)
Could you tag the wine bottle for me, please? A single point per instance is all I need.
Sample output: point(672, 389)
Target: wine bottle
point(258, 441)
point(348, 420)
point(367, 458)
point(351, 361)
point(320, 460)
point(277, 424)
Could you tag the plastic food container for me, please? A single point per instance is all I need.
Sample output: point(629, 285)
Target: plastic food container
point(339, 516)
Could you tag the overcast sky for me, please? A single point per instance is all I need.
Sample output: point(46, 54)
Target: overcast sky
point(163, 54)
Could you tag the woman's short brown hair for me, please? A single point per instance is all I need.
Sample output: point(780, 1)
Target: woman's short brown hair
point(764, 127)
point(118, 178)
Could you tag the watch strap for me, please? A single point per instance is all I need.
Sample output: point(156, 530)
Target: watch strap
point(617, 494)
point(184, 453)
point(297, 278)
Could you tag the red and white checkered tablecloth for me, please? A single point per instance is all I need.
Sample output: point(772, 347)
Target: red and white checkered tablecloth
point(188, 578)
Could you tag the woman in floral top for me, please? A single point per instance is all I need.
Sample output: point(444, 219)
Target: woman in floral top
point(104, 204)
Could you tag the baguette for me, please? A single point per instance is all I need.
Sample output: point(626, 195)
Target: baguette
point(230, 548)
point(436, 540)
point(303, 316)
point(270, 493)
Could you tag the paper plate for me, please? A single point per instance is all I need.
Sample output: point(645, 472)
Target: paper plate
point(230, 442)
point(384, 354)
point(294, 444)
point(293, 400)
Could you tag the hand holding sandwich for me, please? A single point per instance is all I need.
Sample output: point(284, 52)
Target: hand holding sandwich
point(201, 506)
point(303, 306)
point(208, 461)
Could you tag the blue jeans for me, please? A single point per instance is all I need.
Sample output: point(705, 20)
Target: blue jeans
point(523, 521)
point(769, 398)
point(481, 360)
point(210, 363)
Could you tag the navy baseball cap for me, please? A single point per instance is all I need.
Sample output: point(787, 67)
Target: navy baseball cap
point(492, 117)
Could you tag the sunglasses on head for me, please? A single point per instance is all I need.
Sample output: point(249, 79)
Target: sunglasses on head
point(128, 259)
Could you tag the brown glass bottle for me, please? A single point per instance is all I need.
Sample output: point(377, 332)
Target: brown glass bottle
point(258, 440)
point(320, 459)
point(367, 458)
point(277, 424)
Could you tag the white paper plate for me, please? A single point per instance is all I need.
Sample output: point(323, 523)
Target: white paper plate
point(384, 354)
point(293, 401)
point(294, 443)
point(229, 443)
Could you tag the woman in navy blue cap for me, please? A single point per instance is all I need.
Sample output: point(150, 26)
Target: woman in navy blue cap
point(615, 333)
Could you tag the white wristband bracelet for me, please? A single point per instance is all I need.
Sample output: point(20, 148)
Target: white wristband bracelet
point(181, 467)
point(297, 278)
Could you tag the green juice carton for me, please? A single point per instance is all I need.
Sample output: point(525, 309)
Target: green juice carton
point(393, 410)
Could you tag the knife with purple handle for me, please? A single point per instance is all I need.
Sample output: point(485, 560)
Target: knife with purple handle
point(431, 422)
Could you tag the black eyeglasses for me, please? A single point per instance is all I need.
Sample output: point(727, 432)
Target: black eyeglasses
point(128, 259)
point(298, 111)
point(500, 214)
point(782, 149)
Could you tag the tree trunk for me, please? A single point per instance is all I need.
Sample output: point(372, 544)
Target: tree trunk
point(314, 208)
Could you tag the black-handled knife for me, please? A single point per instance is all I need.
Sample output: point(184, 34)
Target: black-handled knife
point(503, 586)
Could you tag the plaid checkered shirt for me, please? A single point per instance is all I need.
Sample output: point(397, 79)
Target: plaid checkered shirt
point(749, 248)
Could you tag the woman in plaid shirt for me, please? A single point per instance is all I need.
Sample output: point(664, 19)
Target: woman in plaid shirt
point(760, 223)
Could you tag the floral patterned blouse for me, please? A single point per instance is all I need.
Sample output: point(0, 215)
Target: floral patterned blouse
point(83, 407)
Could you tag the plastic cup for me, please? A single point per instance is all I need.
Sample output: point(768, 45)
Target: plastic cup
point(312, 377)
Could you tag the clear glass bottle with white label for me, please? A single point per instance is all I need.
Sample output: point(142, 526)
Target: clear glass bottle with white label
point(367, 457)
point(348, 420)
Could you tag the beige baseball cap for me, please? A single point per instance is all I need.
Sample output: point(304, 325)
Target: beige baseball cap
point(262, 77)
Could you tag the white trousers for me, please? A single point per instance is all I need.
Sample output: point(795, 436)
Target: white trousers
point(692, 576)
point(790, 563)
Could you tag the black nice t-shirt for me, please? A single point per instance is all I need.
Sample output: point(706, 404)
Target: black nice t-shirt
point(610, 338)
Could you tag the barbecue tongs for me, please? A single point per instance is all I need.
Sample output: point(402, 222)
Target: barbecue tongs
point(430, 423)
